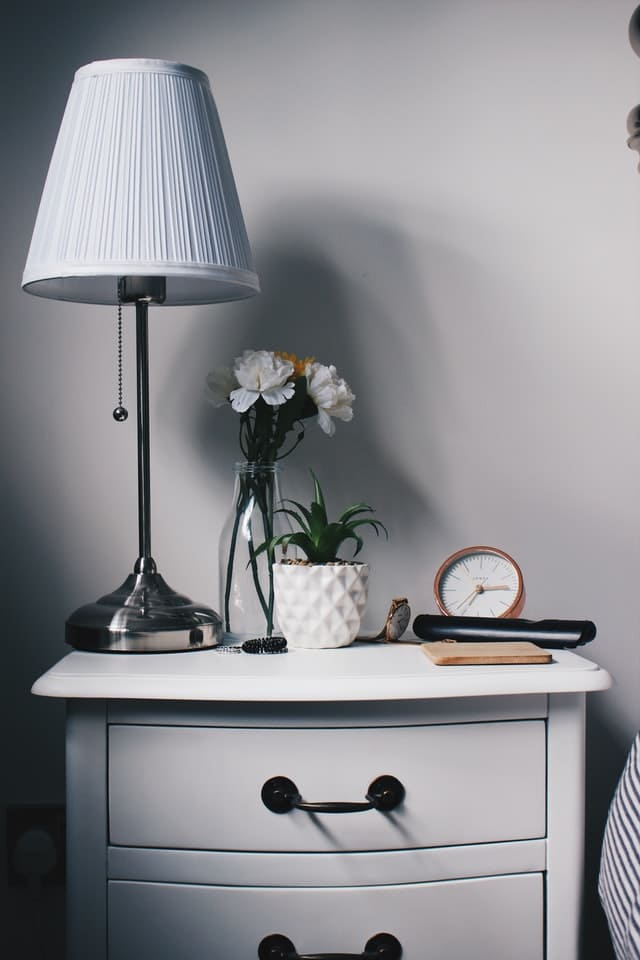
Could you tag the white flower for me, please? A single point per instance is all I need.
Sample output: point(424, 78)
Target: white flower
point(331, 394)
point(220, 383)
point(261, 373)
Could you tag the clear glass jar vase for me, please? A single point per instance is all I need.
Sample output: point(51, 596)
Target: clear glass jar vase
point(246, 580)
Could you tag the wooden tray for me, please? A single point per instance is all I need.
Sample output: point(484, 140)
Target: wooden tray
point(446, 653)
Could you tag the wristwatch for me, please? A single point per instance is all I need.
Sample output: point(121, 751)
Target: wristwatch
point(396, 623)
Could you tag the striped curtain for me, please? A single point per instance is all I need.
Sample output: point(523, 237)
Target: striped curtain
point(619, 881)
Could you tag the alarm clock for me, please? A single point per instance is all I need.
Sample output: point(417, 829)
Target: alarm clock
point(479, 582)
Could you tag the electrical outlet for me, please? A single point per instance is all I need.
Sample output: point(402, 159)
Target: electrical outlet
point(35, 836)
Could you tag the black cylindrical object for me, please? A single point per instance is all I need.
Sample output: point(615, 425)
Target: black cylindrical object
point(552, 634)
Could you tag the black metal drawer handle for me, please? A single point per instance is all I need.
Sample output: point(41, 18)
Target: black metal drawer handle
point(383, 946)
point(279, 794)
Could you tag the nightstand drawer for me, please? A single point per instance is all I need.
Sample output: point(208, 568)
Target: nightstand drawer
point(200, 787)
point(497, 917)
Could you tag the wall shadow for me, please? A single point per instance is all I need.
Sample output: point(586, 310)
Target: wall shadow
point(328, 290)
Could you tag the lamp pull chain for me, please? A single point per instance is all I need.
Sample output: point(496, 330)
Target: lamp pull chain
point(120, 413)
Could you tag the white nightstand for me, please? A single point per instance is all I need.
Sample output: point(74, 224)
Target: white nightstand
point(174, 853)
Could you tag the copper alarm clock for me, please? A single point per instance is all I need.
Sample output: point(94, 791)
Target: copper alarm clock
point(479, 582)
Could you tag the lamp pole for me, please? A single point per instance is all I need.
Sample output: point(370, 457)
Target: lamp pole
point(142, 291)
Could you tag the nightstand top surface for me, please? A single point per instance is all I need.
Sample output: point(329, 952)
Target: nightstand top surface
point(360, 672)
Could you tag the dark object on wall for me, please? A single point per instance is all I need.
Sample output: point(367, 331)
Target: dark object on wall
point(35, 844)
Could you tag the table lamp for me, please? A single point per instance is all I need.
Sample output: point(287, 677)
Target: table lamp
point(140, 206)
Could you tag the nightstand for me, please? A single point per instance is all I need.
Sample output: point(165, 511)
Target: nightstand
point(230, 806)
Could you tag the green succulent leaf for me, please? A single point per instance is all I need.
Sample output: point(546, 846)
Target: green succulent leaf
point(376, 524)
point(318, 521)
point(318, 538)
point(297, 539)
point(335, 537)
point(318, 496)
point(354, 510)
point(284, 540)
point(303, 510)
point(296, 516)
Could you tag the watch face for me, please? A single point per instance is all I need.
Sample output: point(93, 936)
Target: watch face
point(397, 620)
point(479, 582)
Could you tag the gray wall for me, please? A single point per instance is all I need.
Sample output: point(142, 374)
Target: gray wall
point(440, 202)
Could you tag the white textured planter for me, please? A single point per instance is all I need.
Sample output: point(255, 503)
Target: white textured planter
point(320, 605)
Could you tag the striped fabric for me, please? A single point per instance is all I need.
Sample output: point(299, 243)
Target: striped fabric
point(619, 881)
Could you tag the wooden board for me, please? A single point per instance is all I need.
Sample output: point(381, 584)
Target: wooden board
point(445, 653)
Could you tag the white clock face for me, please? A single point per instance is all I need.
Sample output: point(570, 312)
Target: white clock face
point(479, 583)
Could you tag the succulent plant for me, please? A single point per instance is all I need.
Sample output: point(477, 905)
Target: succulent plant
point(318, 537)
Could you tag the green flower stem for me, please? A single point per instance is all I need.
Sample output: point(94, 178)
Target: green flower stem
point(264, 498)
point(230, 563)
point(267, 608)
point(259, 489)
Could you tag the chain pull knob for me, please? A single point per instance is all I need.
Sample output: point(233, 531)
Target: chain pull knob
point(120, 413)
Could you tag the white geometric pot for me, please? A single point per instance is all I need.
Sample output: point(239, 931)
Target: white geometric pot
point(320, 605)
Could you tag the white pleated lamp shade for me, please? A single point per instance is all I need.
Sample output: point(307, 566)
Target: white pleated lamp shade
point(140, 184)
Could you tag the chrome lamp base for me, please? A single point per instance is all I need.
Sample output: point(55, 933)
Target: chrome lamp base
point(144, 615)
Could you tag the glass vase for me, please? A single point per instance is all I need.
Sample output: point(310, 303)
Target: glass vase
point(246, 580)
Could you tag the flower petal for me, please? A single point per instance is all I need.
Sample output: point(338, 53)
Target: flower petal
point(242, 399)
point(326, 423)
point(262, 370)
point(277, 395)
point(220, 382)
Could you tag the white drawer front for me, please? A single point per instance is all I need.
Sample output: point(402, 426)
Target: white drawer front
point(498, 918)
point(200, 788)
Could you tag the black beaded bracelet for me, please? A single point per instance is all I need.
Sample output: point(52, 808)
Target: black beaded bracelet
point(265, 645)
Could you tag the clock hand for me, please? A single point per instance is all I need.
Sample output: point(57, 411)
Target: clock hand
point(464, 610)
point(471, 597)
point(501, 586)
point(468, 598)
